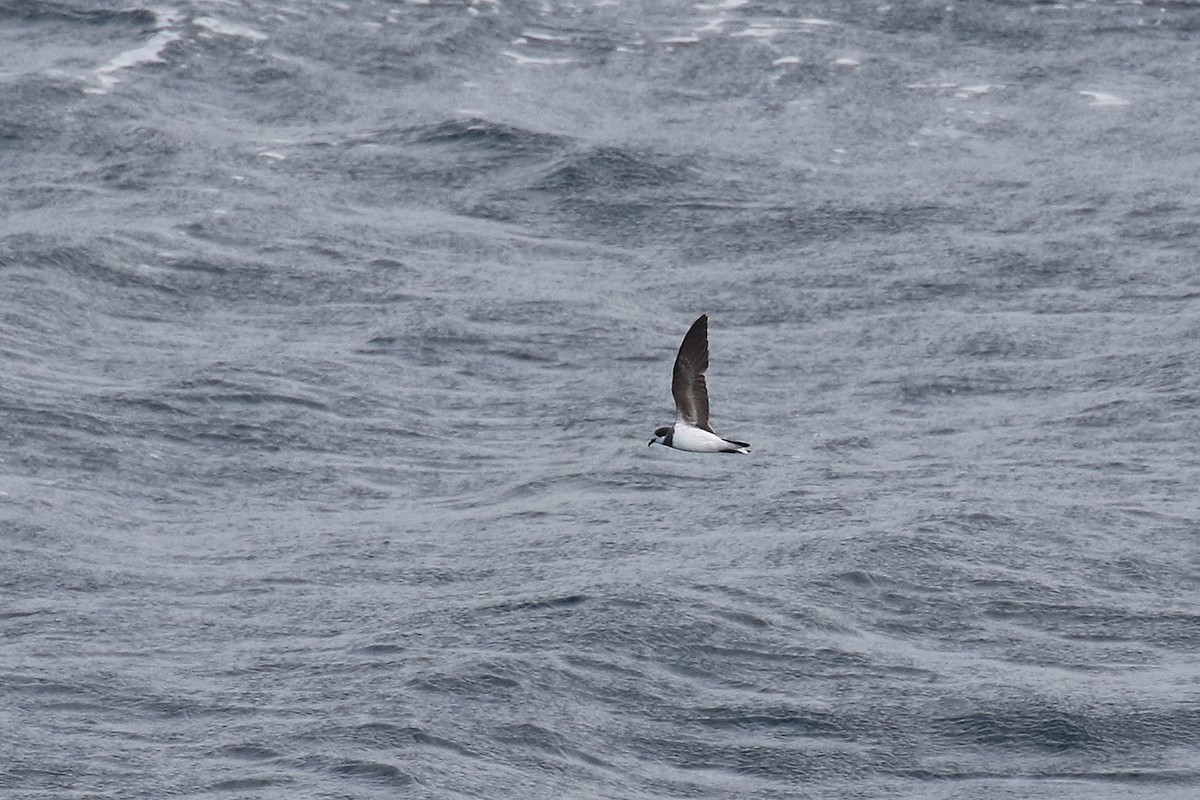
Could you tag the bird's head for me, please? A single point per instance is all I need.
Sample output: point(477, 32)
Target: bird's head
point(660, 435)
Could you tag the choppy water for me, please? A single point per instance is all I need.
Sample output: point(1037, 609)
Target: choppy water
point(333, 334)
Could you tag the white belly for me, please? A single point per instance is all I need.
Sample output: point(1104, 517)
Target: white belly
point(697, 440)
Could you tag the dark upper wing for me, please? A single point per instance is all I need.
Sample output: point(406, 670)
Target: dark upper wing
point(687, 383)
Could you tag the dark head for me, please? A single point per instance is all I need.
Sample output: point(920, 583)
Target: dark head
point(662, 435)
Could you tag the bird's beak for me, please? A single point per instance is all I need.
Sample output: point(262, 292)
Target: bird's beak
point(651, 442)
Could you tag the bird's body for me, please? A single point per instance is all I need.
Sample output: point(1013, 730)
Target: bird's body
point(698, 440)
point(691, 430)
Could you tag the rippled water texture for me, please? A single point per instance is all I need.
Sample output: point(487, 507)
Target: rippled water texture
point(333, 334)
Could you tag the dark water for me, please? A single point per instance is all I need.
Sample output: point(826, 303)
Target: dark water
point(333, 334)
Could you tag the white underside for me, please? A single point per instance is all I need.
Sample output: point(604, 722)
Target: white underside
point(698, 440)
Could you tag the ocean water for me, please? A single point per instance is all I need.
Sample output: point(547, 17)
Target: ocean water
point(332, 335)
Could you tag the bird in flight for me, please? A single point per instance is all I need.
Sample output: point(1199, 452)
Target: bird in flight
point(691, 430)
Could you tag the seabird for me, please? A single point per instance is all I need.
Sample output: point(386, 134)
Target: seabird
point(691, 430)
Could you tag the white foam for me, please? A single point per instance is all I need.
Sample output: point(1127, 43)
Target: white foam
point(756, 32)
point(934, 86)
point(786, 61)
point(973, 91)
point(148, 53)
point(543, 36)
point(960, 91)
point(1105, 99)
point(223, 28)
point(847, 62)
point(524, 59)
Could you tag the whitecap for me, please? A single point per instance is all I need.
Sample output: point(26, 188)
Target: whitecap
point(544, 36)
point(973, 91)
point(1104, 99)
point(222, 28)
point(756, 32)
point(148, 53)
point(524, 59)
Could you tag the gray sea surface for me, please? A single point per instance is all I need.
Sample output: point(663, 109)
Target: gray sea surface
point(332, 335)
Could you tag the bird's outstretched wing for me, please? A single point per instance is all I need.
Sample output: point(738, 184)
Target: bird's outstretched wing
point(687, 383)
